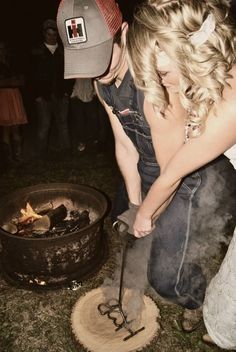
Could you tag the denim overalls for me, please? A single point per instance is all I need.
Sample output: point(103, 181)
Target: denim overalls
point(171, 272)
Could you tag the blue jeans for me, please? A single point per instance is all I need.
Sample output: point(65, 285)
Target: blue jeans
point(171, 271)
point(49, 112)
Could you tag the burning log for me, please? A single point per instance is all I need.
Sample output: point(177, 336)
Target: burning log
point(44, 260)
point(44, 208)
point(78, 221)
point(28, 215)
point(10, 227)
point(48, 223)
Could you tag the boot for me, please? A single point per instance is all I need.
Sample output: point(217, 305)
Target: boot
point(191, 319)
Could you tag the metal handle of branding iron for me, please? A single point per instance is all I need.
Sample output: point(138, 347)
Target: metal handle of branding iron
point(113, 304)
point(113, 308)
point(122, 228)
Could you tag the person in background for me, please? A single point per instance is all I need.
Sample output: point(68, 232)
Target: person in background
point(83, 113)
point(50, 91)
point(98, 49)
point(12, 110)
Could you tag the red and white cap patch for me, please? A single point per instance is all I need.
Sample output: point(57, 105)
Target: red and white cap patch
point(75, 30)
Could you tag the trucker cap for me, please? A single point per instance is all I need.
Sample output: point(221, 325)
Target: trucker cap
point(87, 28)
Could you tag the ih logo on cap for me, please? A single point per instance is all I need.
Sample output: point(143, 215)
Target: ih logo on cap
point(75, 30)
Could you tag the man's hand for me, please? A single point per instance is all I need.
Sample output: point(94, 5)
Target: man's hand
point(142, 226)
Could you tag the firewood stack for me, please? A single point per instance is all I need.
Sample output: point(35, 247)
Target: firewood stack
point(47, 221)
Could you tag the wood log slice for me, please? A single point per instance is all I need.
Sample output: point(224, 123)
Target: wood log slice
point(97, 333)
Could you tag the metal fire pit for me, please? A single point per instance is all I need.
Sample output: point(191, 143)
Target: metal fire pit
point(56, 261)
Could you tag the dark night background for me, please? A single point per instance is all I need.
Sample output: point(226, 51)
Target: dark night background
point(21, 24)
point(21, 20)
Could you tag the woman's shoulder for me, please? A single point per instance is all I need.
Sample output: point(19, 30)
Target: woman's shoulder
point(230, 89)
point(222, 119)
point(226, 108)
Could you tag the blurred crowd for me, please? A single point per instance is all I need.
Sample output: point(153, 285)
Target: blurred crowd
point(42, 113)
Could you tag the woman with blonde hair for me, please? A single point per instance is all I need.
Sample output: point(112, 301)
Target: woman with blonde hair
point(181, 53)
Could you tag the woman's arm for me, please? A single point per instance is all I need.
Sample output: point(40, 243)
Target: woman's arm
point(168, 137)
point(219, 135)
point(126, 155)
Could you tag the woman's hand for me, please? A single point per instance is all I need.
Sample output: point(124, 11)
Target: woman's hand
point(142, 226)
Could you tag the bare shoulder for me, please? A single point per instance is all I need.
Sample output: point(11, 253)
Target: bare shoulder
point(226, 109)
point(229, 93)
point(221, 123)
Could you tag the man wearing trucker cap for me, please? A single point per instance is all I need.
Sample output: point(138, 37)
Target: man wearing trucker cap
point(93, 36)
point(94, 40)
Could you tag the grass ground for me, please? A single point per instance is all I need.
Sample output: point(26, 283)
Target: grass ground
point(32, 321)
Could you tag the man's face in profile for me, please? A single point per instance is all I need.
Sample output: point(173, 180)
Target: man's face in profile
point(118, 60)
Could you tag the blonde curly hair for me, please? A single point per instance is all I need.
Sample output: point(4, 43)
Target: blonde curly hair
point(204, 69)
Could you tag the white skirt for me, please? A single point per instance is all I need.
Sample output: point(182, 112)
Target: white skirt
point(219, 308)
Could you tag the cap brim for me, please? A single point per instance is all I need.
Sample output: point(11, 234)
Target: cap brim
point(88, 62)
